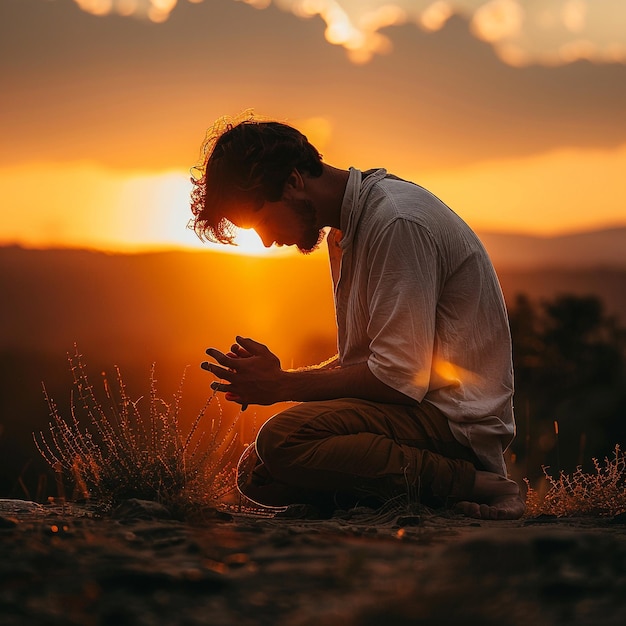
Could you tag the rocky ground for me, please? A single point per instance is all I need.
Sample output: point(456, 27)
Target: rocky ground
point(71, 565)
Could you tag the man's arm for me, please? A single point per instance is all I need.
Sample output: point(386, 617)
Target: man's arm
point(355, 381)
point(328, 364)
point(259, 379)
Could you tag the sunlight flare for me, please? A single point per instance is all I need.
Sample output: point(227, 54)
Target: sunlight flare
point(248, 242)
point(453, 374)
point(81, 205)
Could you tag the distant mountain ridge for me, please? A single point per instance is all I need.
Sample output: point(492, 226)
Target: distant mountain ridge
point(590, 249)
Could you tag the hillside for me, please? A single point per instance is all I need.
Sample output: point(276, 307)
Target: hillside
point(602, 248)
point(176, 302)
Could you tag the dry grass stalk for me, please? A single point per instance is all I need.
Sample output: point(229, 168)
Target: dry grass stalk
point(119, 453)
point(601, 493)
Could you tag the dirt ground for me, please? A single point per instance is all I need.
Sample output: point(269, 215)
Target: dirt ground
point(70, 565)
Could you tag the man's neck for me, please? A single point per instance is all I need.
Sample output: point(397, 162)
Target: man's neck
point(327, 192)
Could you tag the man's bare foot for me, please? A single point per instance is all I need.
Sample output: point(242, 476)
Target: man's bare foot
point(493, 497)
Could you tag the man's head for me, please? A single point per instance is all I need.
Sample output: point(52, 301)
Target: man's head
point(245, 166)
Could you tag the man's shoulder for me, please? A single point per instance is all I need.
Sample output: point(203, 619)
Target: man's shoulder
point(399, 190)
point(394, 198)
point(417, 211)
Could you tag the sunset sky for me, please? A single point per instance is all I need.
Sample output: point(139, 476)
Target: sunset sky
point(513, 112)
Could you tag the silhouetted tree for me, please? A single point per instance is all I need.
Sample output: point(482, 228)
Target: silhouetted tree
point(569, 359)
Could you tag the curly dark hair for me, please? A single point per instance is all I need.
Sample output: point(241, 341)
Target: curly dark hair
point(245, 161)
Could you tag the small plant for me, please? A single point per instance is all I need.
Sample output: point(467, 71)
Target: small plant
point(601, 493)
point(120, 453)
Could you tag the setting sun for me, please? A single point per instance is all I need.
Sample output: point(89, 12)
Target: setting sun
point(248, 242)
point(83, 167)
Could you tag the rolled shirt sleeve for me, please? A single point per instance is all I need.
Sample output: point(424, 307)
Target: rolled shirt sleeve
point(402, 307)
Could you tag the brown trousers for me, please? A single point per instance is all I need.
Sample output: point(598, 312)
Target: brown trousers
point(320, 452)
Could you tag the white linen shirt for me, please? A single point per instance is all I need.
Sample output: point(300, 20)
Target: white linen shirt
point(417, 298)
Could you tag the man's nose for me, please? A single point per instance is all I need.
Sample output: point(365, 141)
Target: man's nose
point(266, 239)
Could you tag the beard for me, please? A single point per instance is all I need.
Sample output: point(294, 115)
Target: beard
point(312, 235)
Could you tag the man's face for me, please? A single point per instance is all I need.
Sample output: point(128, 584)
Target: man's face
point(288, 222)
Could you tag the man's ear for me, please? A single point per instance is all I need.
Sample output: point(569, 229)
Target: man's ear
point(295, 183)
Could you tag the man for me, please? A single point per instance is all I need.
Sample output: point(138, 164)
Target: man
point(418, 400)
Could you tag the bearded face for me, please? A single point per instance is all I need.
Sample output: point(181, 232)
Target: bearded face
point(311, 235)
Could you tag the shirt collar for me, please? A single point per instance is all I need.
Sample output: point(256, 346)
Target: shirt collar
point(357, 189)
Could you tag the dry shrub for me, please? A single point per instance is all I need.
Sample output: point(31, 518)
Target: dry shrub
point(118, 453)
point(601, 493)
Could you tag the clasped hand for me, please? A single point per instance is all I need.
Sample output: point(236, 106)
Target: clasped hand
point(249, 374)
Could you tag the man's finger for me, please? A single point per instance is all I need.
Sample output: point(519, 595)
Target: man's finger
point(217, 386)
point(238, 351)
point(231, 397)
point(251, 346)
point(216, 370)
point(221, 358)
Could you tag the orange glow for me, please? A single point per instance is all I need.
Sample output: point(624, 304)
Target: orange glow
point(422, 379)
point(248, 242)
point(318, 130)
point(546, 194)
point(81, 205)
point(454, 374)
point(446, 373)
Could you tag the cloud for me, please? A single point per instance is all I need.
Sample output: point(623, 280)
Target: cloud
point(522, 32)
point(554, 32)
point(126, 94)
point(154, 10)
point(551, 32)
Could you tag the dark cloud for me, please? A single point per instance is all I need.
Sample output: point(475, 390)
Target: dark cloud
point(450, 92)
